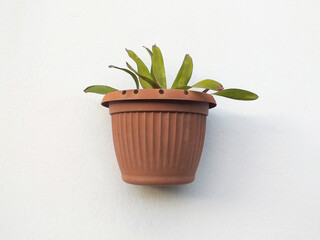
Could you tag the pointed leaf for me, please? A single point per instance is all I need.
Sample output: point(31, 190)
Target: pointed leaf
point(149, 51)
point(151, 69)
point(237, 94)
point(209, 84)
point(147, 79)
point(158, 67)
point(100, 89)
point(142, 69)
point(127, 71)
point(184, 73)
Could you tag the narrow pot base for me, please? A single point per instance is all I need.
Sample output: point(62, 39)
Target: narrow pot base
point(158, 180)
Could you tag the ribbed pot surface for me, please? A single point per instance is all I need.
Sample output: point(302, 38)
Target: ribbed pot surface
point(158, 134)
point(158, 148)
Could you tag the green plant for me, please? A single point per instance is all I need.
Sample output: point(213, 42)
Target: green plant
point(156, 77)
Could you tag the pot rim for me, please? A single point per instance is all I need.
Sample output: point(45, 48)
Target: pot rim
point(158, 94)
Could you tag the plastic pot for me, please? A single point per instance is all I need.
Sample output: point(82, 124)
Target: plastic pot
point(158, 134)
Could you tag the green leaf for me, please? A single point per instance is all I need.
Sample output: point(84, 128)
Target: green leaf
point(208, 84)
point(151, 69)
point(127, 71)
point(147, 79)
point(158, 67)
point(184, 73)
point(142, 69)
point(237, 94)
point(100, 89)
point(184, 87)
point(149, 51)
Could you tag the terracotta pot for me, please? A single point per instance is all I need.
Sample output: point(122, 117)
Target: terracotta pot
point(158, 135)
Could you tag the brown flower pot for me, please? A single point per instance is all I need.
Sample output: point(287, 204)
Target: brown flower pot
point(158, 135)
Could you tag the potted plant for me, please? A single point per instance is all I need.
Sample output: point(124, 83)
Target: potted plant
point(158, 132)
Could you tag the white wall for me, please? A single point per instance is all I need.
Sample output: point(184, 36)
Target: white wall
point(259, 176)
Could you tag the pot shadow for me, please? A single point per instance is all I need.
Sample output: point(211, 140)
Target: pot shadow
point(231, 148)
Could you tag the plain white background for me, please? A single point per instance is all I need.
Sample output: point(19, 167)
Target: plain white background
point(259, 175)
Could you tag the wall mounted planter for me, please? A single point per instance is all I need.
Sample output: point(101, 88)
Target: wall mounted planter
point(158, 134)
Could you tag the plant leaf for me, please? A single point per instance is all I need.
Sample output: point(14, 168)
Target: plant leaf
point(237, 94)
point(184, 73)
point(158, 67)
point(127, 71)
point(100, 89)
point(208, 84)
point(184, 87)
point(149, 51)
point(148, 80)
point(151, 69)
point(142, 69)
